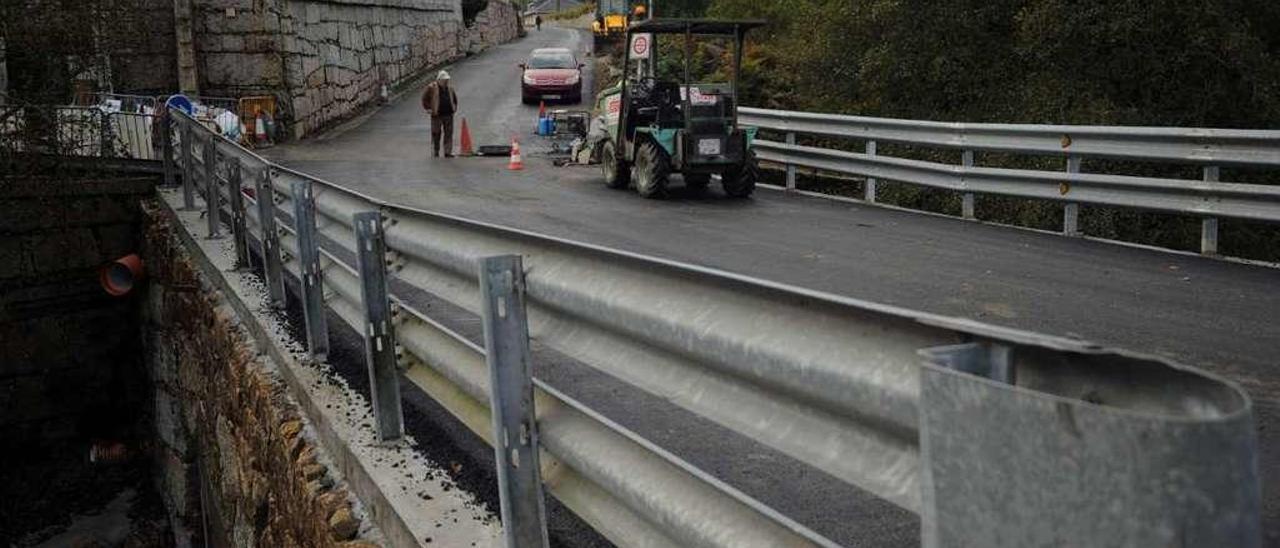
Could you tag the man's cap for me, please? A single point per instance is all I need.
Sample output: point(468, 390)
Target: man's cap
point(443, 75)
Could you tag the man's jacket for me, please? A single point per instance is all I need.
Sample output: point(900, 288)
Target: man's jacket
point(440, 104)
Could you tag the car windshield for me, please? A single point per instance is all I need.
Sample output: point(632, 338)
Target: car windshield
point(552, 61)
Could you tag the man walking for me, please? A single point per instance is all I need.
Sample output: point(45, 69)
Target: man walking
point(441, 103)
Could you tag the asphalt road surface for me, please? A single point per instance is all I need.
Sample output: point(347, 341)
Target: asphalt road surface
point(1220, 316)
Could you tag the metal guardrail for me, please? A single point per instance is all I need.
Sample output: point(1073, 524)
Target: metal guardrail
point(995, 437)
point(1212, 149)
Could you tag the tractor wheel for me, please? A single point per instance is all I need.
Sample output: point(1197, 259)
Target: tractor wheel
point(653, 170)
point(740, 182)
point(616, 172)
point(697, 182)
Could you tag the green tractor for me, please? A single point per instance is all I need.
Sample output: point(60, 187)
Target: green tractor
point(655, 127)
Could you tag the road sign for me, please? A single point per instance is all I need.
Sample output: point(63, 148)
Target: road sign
point(641, 46)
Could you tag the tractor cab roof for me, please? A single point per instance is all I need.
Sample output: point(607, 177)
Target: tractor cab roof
point(727, 27)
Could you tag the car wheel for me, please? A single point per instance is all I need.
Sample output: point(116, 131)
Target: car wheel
point(740, 182)
point(653, 171)
point(616, 172)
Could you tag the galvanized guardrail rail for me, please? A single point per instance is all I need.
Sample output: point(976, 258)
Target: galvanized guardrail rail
point(1208, 198)
point(995, 437)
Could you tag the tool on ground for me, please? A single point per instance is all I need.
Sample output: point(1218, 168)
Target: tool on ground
point(494, 150)
point(516, 163)
point(466, 148)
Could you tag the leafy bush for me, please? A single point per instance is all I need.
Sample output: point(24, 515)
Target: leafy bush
point(1191, 63)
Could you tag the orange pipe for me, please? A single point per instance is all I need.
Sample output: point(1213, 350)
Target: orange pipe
point(119, 276)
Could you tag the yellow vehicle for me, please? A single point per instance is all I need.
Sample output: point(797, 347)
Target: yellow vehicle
point(612, 18)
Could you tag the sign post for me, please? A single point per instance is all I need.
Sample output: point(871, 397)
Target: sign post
point(642, 51)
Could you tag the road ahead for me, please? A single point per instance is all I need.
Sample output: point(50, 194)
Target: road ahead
point(1220, 316)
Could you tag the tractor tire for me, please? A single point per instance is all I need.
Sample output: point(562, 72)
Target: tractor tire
point(616, 172)
point(697, 182)
point(653, 171)
point(740, 182)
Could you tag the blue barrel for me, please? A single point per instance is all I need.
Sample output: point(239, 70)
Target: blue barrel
point(546, 126)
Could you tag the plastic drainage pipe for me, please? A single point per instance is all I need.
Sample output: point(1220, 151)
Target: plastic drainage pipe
point(119, 276)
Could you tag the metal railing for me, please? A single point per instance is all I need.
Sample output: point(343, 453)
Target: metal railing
point(1212, 149)
point(995, 437)
point(80, 132)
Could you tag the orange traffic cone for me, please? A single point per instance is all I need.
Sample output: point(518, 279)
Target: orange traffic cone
point(542, 113)
point(467, 148)
point(516, 163)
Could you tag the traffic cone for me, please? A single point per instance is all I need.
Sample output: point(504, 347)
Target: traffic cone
point(516, 163)
point(260, 129)
point(467, 148)
point(542, 113)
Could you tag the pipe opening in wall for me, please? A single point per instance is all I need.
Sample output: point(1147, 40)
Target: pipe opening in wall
point(119, 276)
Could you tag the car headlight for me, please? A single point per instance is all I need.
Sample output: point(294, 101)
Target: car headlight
point(528, 79)
point(572, 79)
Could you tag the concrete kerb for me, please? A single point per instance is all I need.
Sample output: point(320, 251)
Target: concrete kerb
point(395, 510)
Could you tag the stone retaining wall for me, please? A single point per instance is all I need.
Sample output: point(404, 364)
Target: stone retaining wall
point(227, 428)
point(499, 23)
point(326, 59)
point(69, 354)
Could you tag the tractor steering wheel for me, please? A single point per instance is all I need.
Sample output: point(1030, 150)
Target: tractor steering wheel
point(645, 86)
point(652, 92)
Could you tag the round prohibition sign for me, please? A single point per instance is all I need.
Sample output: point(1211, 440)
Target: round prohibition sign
point(640, 46)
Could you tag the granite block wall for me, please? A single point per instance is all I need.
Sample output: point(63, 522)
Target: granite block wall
point(70, 355)
point(326, 59)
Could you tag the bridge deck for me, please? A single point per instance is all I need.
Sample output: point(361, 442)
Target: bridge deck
point(1220, 316)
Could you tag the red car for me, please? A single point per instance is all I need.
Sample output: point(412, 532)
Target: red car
point(551, 74)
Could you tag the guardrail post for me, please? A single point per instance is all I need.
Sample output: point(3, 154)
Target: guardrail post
point(869, 193)
point(379, 333)
point(212, 196)
point(1035, 468)
point(1071, 211)
point(165, 119)
point(1209, 225)
point(272, 270)
point(515, 428)
point(791, 168)
point(239, 220)
point(188, 169)
point(304, 221)
point(966, 201)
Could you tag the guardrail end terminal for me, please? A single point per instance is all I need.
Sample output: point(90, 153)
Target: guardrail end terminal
point(1065, 454)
